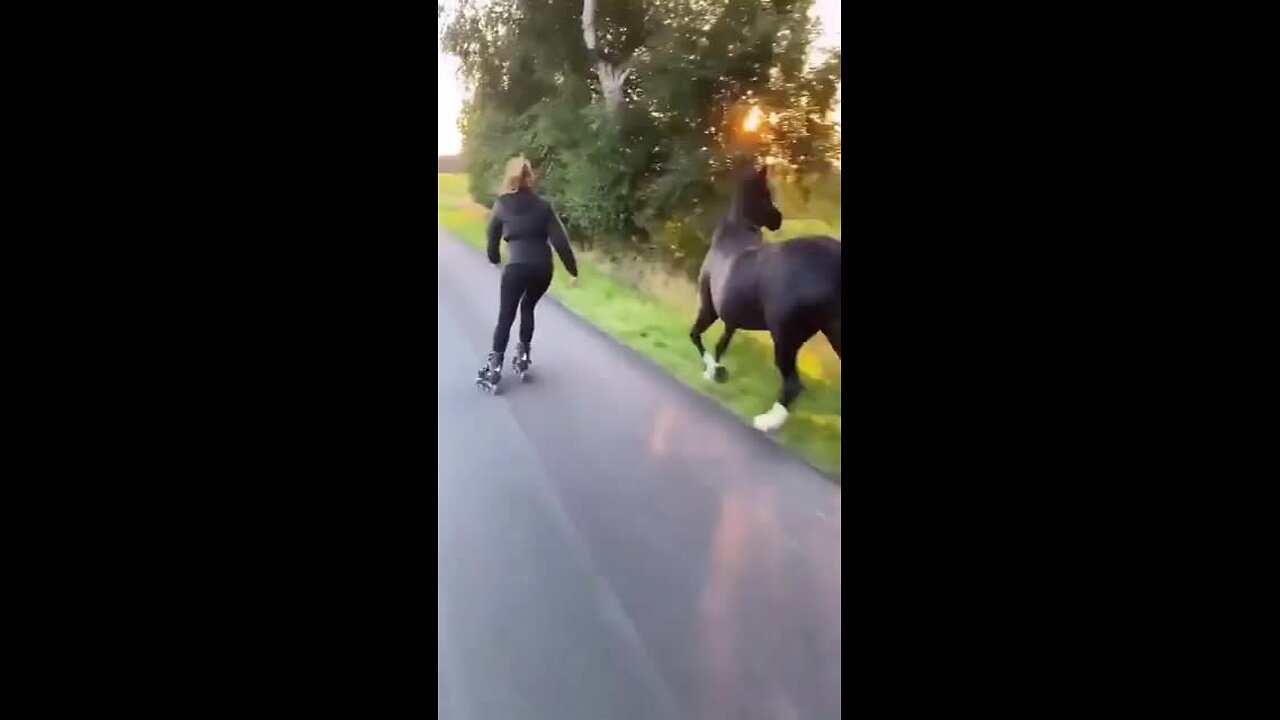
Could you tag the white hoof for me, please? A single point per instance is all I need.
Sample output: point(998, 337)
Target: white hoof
point(771, 420)
point(709, 361)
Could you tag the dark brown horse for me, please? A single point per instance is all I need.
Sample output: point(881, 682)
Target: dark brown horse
point(791, 289)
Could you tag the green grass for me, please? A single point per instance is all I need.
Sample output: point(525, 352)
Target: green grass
point(650, 311)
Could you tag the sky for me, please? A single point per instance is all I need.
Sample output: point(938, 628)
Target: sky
point(449, 95)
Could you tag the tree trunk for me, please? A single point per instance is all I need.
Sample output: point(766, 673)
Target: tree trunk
point(611, 76)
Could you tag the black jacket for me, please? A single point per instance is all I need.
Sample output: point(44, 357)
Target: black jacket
point(528, 222)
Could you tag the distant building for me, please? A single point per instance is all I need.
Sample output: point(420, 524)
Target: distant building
point(450, 164)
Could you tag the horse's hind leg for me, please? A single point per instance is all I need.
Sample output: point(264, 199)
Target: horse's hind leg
point(786, 347)
point(831, 329)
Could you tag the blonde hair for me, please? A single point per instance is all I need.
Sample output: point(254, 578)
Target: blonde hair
point(518, 174)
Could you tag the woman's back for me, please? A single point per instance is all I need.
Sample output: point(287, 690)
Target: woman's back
point(528, 223)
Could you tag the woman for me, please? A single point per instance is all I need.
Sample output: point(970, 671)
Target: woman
point(529, 224)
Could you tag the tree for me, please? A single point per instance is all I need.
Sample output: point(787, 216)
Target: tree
point(632, 110)
point(613, 68)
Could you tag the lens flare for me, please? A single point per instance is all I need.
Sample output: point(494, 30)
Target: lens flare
point(753, 120)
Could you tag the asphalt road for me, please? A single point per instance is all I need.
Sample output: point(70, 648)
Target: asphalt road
point(613, 545)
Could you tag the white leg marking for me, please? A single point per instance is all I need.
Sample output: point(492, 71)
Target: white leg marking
point(710, 361)
point(771, 420)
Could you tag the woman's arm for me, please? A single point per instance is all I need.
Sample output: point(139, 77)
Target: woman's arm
point(494, 233)
point(560, 241)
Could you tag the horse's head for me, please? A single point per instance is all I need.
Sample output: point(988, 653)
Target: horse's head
point(756, 202)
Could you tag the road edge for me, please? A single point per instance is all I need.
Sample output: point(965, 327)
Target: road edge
point(709, 400)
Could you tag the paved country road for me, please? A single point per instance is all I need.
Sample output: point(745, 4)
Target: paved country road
point(613, 545)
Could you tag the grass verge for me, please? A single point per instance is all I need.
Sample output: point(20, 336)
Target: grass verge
point(650, 310)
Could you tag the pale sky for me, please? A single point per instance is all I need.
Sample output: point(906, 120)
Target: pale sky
point(449, 95)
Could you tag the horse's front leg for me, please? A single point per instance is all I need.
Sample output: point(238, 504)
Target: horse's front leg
point(716, 371)
point(706, 316)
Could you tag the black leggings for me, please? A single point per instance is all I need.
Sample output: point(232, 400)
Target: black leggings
point(522, 285)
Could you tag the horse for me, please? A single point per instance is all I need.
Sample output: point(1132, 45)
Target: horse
point(791, 289)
